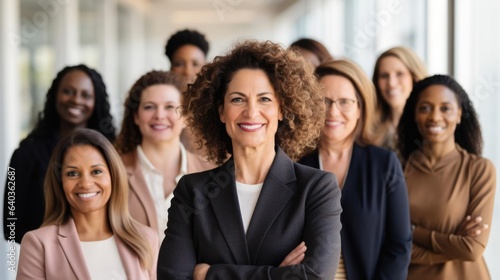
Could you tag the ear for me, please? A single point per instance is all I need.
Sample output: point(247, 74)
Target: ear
point(222, 117)
point(459, 113)
point(280, 116)
point(136, 118)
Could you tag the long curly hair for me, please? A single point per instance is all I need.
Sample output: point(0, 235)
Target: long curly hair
point(58, 210)
point(365, 93)
point(467, 134)
point(100, 120)
point(130, 136)
point(296, 87)
point(412, 62)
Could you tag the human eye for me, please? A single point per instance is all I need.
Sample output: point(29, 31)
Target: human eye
point(328, 102)
point(178, 64)
point(67, 91)
point(265, 99)
point(424, 108)
point(148, 107)
point(170, 107)
point(96, 172)
point(86, 95)
point(383, 76)
point(446, 109)
point(237, 100)
point(72, 173)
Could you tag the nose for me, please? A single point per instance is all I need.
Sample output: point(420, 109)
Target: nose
point(188, 70)
point(251, 110)
point(160, 113)
point(435, 114)
point(393, 81)
point(86, 181)
point(333, 109)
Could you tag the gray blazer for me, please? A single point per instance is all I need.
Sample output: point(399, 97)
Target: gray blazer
point(297, 203)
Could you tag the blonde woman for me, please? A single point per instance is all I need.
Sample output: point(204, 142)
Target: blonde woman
point(376, 236)
point(396, 71)
point(87, 231)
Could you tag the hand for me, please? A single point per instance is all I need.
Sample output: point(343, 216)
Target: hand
point(471, 227)
point(200, 271)
point(296, 256)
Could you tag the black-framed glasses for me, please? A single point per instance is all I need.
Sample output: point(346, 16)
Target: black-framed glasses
point(343, 104)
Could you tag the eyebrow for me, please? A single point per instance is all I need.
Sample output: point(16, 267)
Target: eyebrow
point(74, 167)
point(258, 94)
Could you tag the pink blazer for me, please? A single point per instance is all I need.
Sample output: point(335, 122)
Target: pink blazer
point(141, 203)
point(54, 252)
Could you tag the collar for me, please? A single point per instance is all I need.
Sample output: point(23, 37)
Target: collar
point(145, 163)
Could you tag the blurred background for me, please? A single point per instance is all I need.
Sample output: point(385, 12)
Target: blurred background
point(123, 39)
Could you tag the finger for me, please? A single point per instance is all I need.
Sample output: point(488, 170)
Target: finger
point(293, 255)
point(297, 260)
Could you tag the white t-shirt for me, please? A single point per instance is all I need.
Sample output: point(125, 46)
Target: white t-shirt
point(103, 260)
point(247, 197)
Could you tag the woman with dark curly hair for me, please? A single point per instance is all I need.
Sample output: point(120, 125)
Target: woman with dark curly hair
point(259, 215)
point(187, 51)
point(448, 181)
point(374, 198)
point(396, 71)
point(77, 98)
point(150, 147)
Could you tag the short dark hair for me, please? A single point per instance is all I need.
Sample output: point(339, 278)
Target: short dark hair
point(313, 46)
point(467, 134)
point(186, 37)
point(296, 87)
point(100, 120)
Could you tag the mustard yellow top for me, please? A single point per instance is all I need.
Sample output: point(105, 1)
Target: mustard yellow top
point(441, 196)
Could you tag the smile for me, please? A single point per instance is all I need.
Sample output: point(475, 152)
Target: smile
point(87, 195)
point(250, 127)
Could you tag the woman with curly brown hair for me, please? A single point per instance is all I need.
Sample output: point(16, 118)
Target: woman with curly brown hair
point(150, 147)
point(259, 215)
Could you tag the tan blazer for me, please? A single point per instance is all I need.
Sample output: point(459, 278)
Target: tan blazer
point(54, 252)
point(141, 203)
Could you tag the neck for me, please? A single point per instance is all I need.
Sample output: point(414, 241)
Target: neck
point(92, 226)
point(65, 128)
point(163, 155)
point(252, 164)
point(435, 151)
point(336, 150)
point(395, 116)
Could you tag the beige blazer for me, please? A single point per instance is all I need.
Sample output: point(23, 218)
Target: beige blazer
point(54, 252)
point(141, 203)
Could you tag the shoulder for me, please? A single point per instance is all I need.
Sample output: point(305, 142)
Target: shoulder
point(147, 232)
point(310, 159)
point(130, 158)
point(41, 235)
point(478, 164)
point(196, 163)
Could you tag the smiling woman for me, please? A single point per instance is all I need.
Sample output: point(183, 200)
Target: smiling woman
point(86, 196)
point(77, 98)
point(451, 188)
point(259, 215)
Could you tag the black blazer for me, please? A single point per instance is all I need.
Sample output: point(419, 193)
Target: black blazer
point(376, 231)
point(297, 203)
point(30, 162)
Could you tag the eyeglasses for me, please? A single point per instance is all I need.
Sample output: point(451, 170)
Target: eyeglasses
point(343, 104)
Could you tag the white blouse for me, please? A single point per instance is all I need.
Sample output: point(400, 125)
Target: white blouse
point(247, 197)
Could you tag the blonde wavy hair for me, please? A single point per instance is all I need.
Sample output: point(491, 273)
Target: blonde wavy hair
point(297, 91)
point(414, 64)
point(57, 208)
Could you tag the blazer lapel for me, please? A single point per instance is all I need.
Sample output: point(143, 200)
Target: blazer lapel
point(129, 260)
point(136, 179)
point(227, 212)
point(273, 197)
point(70, 244)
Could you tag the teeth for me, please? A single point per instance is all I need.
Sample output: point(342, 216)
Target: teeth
point(75, 111)
point(87, 195)
point(436, 129)
point(251, 127)
point(333, 123)
point(160, 126)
